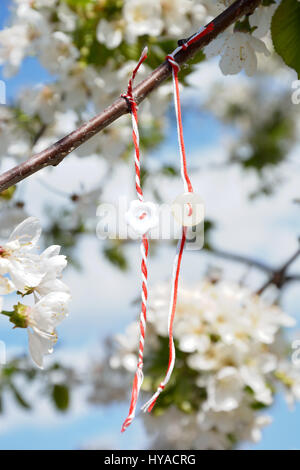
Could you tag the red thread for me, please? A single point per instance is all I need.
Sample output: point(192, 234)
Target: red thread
point(190, 188)
point(175, 69)
point(177, 262)
point(174, 304)
point(208, 29)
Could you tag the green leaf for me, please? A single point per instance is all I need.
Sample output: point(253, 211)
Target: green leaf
point(114, 253)
point(286, 33)
point(268, 141)
point(169, 170)
point(266, 3)
point(244, 26)
point(1, 401)
point(19, 398)
point(232, 439)
point(257, 405)
point(61, 397)
point(209, 227)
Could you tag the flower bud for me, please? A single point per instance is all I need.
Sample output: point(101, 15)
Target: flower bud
point(19, 316)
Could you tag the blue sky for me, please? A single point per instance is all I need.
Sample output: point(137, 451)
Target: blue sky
point(75, 429)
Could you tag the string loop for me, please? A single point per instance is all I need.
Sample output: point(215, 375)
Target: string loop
point(138, 379)
point(188, 188)
point(184, 173)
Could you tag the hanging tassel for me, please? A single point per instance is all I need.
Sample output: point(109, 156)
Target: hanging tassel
point(175, 278)
point(180, 247)
point(138, 379)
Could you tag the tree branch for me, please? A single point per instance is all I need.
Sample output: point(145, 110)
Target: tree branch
point(278, 277)
point(241, 259)
point(54, 154)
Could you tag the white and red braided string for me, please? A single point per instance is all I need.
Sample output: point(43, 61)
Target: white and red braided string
point(134, 117)
point(202, 32)
point(138, 378)
point(187, 188)
point(172, 309)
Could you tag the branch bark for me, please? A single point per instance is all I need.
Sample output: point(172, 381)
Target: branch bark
point(279, 276)
point(54, 154)
point(251, 262)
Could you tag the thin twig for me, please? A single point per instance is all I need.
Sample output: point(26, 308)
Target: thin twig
point(241, 259)
point(279, 276)
point(39, 134)
point(53, 155)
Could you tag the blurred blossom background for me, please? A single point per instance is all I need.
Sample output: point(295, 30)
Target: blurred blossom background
point(235, 384)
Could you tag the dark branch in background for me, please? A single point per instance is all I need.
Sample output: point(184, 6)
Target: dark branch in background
point(39, 134)
point(241, 259)
point(277, 276)
point(53, 155)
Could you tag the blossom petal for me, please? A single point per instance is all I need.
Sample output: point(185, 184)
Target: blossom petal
point(52, 250)
point(27, 233)
point(39, 347)
point(6, 286)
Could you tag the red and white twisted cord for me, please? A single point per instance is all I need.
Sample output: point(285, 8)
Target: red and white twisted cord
point(172, 309)
point(202, 32)
point(138, 378)
point(187, 188)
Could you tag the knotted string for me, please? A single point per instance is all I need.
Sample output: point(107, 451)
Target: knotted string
point(138, 378)
point(187, 188)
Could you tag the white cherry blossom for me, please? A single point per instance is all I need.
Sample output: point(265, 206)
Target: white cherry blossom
point(225, 390)
point(13, 48)
point(142, 17)
point(52, 263)
point(254, 379)
point(22, 269)
point(42, 320)
point(36, 23)
point(109, 33)
point(6, 286)
point(261, 20)
point(11, 215)
point(174, 14)
point(289, 377)
point(233, 339)
point(238, 52)
point(17, 259)
point(68, 18)
point(57, 52)
point(41, 101)
point(22, 37)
